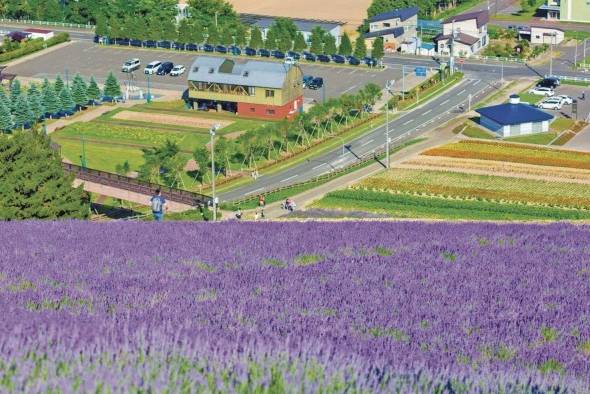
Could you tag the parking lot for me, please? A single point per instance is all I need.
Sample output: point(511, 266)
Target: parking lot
point(89, 59)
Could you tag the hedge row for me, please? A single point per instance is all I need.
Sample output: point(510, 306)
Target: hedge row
point(30, 46)
point(406, 205)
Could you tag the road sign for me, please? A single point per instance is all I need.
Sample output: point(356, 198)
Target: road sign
point(420, 71)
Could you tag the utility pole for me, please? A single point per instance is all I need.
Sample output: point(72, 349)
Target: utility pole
point(403, 82)
point(388, 87)
point(502, 71)
point(212, 131)
point(576, 55)
point(551, 54)
point(149, 94)
point(452, 54)
point(83, 163)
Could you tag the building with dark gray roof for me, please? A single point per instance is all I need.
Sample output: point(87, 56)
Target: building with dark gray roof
point(395, 27)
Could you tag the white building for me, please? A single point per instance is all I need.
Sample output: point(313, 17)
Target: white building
point(470, 34)
point(39, 33)
point(396, 27)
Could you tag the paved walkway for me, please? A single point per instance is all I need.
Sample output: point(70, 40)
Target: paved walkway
point(581, 141)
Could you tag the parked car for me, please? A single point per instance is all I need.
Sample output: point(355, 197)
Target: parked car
point(208, 48)
point(294, 55)
point(165, 44)
point(191, 47)
point(553, 103)
point(316, 83)
point(278, 54)
point(122, 41)
point(307, 80)
point(165, 68)
point(324, 58)
point(549, 83)
point(153, 67)
point(264, 52)
point(136, 43)
point(235, 50)
point(369, 61)
point(179, 45)
point(338, 59)
point(542, 91)
point(290, 60)
point(565, 99)
point(310, 57)
point(131, 65)
point(353, 61)
point(150, 44)
point(250, 51)
point(220, 49)
point(178, 70)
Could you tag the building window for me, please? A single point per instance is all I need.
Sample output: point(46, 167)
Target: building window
point(252, 109)
point(270, 111)
point(269, 93)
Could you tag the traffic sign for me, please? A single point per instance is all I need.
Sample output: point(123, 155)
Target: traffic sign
point(420, 71)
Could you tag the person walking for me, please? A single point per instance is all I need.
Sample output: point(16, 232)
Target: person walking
point(261, 201)
point(158, 204)
point(239, 214)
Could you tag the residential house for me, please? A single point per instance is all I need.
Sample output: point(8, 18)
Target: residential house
point(567, 10)
point(470, 34)
point(541, 34)
point(396, 27)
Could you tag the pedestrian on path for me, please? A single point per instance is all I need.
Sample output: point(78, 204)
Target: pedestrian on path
point(261, 201)
point(158, 204)
point(239, 214)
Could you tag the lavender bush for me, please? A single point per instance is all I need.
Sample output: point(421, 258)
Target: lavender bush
point(294, 307)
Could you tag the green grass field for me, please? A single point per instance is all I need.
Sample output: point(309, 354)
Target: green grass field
point(522, 15)
point(472, 130)
point(411, 206)
point(539, 138)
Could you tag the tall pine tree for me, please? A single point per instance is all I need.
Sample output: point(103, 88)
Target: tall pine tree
point(79, 91)
point(33, 184)
point(360, 49)
point(58, 85)
point(35, 103)
point(6, 123)
point(67, 102)
point(15, 93)
point(345, 48)
point(22, 114)
point(255, 38)
point(93, 91)
point(378, 51)
point(300, 44)
point(51, 101)
point(112, 87)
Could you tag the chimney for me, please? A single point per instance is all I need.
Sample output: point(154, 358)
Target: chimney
point(514, 99)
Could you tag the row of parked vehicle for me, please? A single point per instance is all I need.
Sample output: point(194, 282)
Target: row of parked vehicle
point(156, 67)
point(546, 87)
point(313, 83)
point(290, 57)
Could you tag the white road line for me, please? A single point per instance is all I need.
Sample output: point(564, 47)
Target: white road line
point(291, 177)
point(444, 102)
point(476, 82)
point(316, 167)
point(427, 112)
point(349, 89)
point(366, 143)
point(254, 191)
point(408, 122)
point(462, 91)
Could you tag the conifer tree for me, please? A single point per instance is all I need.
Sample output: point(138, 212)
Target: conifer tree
point(22, 114)
point(51, 101)
point(6, 123)
point(345, 48)
point(45, 85)
point(58, 85)
point(111, 86)
point(93, 90)
point(317, 40)
point(79, 91)
point(227, 37)
point(212, 35)
point(300, 44)
point(67, 102)
point(378, 50)
point(33, 184)
point(255, 38)
point(360, 49)
point(15, 93)
point(329, 44)
point(4, 99)
point(35, 103)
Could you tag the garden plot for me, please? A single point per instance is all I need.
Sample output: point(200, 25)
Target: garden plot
point(167, 119)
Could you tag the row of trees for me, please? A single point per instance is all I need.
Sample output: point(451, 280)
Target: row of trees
point(20, 108)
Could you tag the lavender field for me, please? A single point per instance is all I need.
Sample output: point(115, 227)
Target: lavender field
point(294, 307)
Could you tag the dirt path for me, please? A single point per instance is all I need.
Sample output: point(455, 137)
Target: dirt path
point(114, 143)
point(201, 123)
point(89, 114)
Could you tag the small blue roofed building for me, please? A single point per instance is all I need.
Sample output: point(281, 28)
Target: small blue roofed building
point(514, 118)
point(394, 26)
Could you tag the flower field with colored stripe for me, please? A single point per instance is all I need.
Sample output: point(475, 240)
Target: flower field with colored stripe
point(294, 307)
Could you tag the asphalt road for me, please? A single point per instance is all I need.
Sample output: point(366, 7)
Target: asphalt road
point(409, 125)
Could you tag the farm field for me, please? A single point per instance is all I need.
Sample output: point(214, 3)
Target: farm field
point(306, 307)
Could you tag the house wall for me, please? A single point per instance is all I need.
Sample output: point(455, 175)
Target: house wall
point(539, 35)
point(467, 27)
point(261, 111)
point(575, 11)
point(459, 48)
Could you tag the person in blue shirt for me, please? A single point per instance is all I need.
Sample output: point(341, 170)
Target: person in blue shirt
point(158, 204)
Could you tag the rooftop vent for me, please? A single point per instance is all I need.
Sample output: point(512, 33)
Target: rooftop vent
point(196, 69)
point(514, 99)
point(246, 73)
point(211, 70)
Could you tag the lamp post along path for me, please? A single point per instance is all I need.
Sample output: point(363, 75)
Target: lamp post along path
point(388, 87)
point(212, 131)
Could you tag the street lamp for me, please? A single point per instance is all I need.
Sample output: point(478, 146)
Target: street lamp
point(388, 87)
point(212, 131)
point(149, 94)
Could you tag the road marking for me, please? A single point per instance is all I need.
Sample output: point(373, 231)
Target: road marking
point(367, 143)
point(476, 82)
point(427, 112)
point(349, 89)
point(444, 102)
point(462, 91)
point(291, 177)
point(408, 122)
point(316, 167)
point(254, 191)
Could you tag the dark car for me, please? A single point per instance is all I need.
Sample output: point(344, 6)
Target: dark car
point(122, 41)
point(369, 61)
point(250, 51)
point(353, 61)
point(307, 80)
point(549, 83)
point(191, 47)
point(316, 83)
point(221, 49)
point(181, 46)
point(165, 68)
point(310, 57)
point(165, 44)
point(294, 55)
point(278, 54)
point(150, 44)
point(264, 52)
point(338, 59)
point(235, 50)
point(96, 38)
point(208, 48)
point(324, 58)
point(135, 43)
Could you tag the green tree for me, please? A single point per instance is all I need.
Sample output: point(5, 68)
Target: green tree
point(33, 184)
point(112, 87)
point(284, 43)
point(15, 93)
point(378, 51)
point(213, 35)
point(6, 123)
point(51, 101)
point(123, 169)
point(360, 49)
point(271, 40)
point(59, 84)
point(93, 91)
point(22, 114)
point(202, 158)
point(329, 44)
point(300, 44)
point(4, 99)
point(240, 36)
point(101, 27)
point(227, 37)
point(168, 29)
point(345, 48)
point(317, 40)
point(35, 102)
point(197, 34)
point(184, 31)
point(256, 38)
point(161, 164)
point(213, 12)
point(79, 91)
point(66, 100)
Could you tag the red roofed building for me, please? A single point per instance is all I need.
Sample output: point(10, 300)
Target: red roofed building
point(39, 33)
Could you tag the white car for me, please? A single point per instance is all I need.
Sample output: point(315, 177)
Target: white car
point(153, 67)
point(552, 103)
point(178, 70)
point(290, 60)
point(131, 65)
point(565, 99)
point(540, 91)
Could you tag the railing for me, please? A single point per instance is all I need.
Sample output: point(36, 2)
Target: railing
point(136, 185)
point(570, 78)
point(47, 23)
